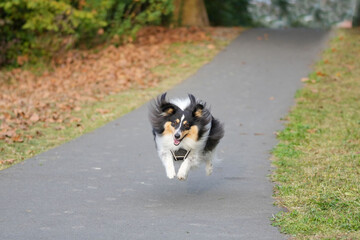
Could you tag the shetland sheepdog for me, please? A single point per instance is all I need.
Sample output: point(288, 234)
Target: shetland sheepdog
point(184, 130)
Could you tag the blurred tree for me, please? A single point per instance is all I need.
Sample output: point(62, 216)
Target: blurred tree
point(190, 13)
point(356, 18)
point(229, 12)
point(300, 13)
point(283, 7)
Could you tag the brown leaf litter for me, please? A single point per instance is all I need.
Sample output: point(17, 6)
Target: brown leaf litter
point(85, 76)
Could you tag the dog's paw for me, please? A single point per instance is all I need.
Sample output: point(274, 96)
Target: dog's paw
point(170, 171)
point(182, 176)
point(171, 174)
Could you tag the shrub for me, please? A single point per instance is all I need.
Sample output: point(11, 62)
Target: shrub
point(33, 28)
point(228, 13)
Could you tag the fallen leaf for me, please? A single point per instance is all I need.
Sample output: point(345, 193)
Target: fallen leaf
point(314, 90)
point(34, 118)
point(305, 79)
point(313, 130)
point(75, 119)
point(29, 137)
point(184, 65)
point(102, 111)
point(320, 74)
point(10, 133)
point(59, 128)
point(7, 161)
point(350, 67)
point(17, 139)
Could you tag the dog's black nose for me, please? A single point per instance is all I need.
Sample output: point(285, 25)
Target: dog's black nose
point(177, 135)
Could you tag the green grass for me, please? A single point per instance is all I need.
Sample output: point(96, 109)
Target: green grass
point(184, 60)
point(318, 156)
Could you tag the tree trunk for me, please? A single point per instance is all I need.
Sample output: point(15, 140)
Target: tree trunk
point(190, 13)
point(356, 18)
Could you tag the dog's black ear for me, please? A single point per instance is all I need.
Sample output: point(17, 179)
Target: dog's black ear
point(198, 106)
point(192, 98)
point(198, 110)
point(167, 110)
point(162, 98)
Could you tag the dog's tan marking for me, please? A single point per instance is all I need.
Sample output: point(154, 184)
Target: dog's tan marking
point(168, 129)
point(169, 111)
point(184, 133)
point(193, 133)
point(185, 122)
point(198, 113)
point(177, 120)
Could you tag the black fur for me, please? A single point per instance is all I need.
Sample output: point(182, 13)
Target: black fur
point(216, 133)
point(156, 116)
point(206, 117)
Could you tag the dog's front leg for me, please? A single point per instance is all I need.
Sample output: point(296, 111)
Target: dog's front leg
point(184, 169)
point(168, 163)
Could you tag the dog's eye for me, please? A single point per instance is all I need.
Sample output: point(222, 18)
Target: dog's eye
point(173, 124)
point(187, 126)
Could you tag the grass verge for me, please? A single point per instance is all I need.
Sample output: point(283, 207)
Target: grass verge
point(318, 156)
point(184, 60)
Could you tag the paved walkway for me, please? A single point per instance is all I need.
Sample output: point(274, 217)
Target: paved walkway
point(110, 184)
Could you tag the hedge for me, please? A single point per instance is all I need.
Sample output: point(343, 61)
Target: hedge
point(34, 28)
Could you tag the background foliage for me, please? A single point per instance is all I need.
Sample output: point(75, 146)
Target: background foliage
point(30, 29)
point(228, 13)
point(300, 13)
point(43, 27)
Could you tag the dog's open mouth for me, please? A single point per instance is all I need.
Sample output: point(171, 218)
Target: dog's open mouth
point(178, 141)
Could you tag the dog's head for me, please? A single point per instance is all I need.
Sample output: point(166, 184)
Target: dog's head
point(180, 118)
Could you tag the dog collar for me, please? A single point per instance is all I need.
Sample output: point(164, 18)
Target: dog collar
point(180, 154)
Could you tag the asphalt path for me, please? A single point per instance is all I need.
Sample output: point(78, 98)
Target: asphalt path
point(110, 184)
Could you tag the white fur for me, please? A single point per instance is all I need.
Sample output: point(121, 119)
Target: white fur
point(181, 103)
point(181, 122)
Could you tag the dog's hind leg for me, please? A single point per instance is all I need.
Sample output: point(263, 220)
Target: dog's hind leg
point(209, 167)
point(208, 162)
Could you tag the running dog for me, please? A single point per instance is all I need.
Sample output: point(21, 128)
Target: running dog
point(184, 129)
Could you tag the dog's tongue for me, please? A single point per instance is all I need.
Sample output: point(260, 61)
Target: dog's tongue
point(176, 142)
